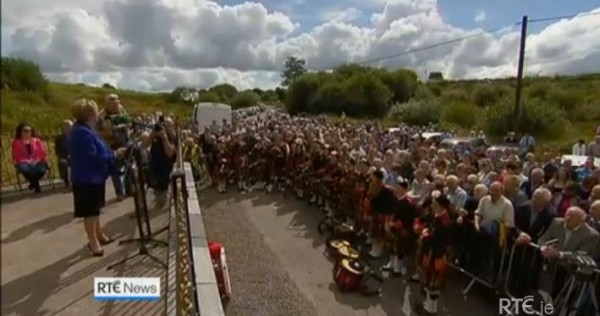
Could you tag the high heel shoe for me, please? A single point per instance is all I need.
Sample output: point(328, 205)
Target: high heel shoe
point(95, 253)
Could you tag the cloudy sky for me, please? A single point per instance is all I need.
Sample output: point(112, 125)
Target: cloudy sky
point(162, 44)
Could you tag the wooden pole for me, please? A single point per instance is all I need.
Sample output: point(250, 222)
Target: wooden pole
point(519, 87)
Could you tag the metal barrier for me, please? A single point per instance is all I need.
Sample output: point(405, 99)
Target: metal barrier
point(181, 288)
point(480, 268)
point(571, 285)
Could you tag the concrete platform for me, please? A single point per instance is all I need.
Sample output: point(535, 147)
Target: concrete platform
point(47, 269)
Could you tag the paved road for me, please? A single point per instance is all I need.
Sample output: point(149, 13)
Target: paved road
point(277, 265)
point(46, 268)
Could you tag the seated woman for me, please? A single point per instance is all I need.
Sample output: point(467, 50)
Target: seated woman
point(29, 156)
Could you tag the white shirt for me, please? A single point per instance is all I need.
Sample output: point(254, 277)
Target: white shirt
point(357, 153)
point(501, 211)
point(579, 149)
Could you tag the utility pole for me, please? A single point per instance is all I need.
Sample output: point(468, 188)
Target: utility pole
point(519, 88)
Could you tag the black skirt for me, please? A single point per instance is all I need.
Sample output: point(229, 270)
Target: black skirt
point(88, 199)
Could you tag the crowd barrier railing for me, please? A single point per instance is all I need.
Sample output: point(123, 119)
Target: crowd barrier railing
point(483, 262)
point(571, 285)
point(517, 271)
point(191, 283)
point(181, 290)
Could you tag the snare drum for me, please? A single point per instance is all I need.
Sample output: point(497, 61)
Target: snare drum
point(348, 275)
point(332, 250)
point(347, 252)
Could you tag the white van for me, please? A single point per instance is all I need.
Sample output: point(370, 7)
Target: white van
point(206, 113)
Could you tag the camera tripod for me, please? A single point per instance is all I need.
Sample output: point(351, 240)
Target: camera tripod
point(146, 237)
point(579, 289)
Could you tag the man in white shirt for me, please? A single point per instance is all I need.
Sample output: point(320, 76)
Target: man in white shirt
point(495, 208)
point(579, 149)
point(456, 194)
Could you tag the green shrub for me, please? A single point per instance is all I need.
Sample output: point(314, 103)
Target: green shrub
point(538, 118)
point(567, 100)
point(244, 99)
point(209, 97)
point(420, 112)
point(486, 94)
point(455, 95)
point(22, 75)
point(465, 115)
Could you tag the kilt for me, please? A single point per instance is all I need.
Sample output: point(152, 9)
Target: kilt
point(434, 270)
point(378, 225)
point(403, 239)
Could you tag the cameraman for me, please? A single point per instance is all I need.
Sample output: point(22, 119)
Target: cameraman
point(162, 159)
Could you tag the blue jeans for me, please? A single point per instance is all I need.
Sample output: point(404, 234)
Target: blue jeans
point(33, 172)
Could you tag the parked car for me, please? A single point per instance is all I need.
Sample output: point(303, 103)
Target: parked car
point(435, 138)
point(469, 142)
point(503, 147)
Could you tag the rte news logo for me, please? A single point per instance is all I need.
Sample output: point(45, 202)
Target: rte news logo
point(115, 289)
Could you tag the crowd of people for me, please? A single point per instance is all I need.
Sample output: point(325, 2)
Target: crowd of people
point(408, 195)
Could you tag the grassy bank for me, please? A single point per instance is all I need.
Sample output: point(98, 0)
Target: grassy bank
point(46, 110)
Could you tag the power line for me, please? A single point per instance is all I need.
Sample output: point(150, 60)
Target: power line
point(428, 47)
point(463, 38)
point(556, 18)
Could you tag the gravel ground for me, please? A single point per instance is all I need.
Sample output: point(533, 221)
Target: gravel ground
point(260, 283)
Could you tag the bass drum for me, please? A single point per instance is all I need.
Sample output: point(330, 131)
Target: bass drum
point(348, 275)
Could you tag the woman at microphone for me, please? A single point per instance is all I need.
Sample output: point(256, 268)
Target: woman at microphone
point(91, 164)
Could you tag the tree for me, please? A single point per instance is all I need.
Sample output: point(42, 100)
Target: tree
point(108, 86)
point(244, 99)
point(292, 69)
point(225, 91)
point(22, 75)
point(281, 93)
point(209, 96)
point(436, 75)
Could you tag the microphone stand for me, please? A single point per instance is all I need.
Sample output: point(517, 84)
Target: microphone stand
point(137, 185)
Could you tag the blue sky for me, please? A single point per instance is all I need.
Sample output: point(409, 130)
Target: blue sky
point(461, 13)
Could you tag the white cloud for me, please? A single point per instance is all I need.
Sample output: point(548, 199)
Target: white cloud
point(480, 16)
point(160, 44)
point(343, 15)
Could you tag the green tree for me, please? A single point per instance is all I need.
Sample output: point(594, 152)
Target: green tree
point(302, 92)
point(281, 94)
point(485, 94)
point(209, 96)
point(292, 69)
point(420, 111)
point(225, 91)
point(244, 99)
point(436, 75)
point(108, 86)
point(21, 75)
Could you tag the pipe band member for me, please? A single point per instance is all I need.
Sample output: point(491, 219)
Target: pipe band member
point(383, 202)
point(434, 242)
point(399, 228)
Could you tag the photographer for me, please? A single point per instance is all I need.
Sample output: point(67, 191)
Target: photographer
point(162, 159)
